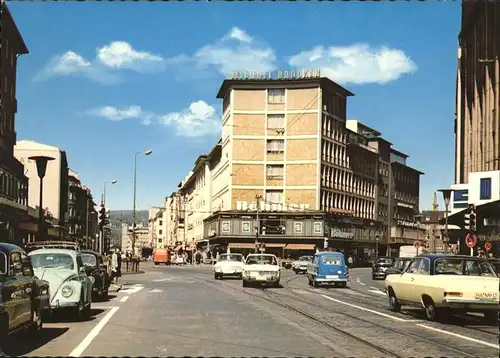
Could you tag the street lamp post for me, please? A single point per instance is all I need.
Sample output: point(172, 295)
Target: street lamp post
point(146, 152)
point(104, 191)
point(446, 198)
point(41, 167)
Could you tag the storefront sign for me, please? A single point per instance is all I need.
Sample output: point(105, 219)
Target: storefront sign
point(339, 234)
point(279, 75)
point(408, 223)
point(244, 206)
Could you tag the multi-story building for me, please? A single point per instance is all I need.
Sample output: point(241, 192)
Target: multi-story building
point(477, 123)
point(288, 152)
point(158, 230)
point(13, 181)
point(82, 216)
point(143, 246)
point(55, 188)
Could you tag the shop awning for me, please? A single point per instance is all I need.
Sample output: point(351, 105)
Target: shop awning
point(300, 246)
point(274, 245)
point(238, 245)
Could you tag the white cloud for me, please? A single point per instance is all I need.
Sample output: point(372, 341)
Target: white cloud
point(356, 64)
point(236, 51)
point(117, 114)
point(115, 56)
point(199, 119)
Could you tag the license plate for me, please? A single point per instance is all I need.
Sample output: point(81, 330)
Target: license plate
point(489, 296)
point(332, 276)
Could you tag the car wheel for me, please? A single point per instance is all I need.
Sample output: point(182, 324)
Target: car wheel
point(394, 304)
point(277, 284)
point(310, 282)
point(104, 295)
point(216, 277)
point(343, 284)
point(374, 277)
point(245, 284)
point(491, 317)
point(431, 312)
point(36, 322)
point(315, 283)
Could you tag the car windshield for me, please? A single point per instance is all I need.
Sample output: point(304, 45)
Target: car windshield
point(231, 257)
point(465, 267)
point(50, 260)
point(305, 258)
point(331, 260)
point(384, 260)
point(3, 263)
point(261, 260)
point(89, 260)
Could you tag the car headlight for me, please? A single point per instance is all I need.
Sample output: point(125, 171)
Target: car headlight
point(67, 291)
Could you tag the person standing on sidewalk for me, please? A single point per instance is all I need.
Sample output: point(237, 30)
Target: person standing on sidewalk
point(116, 267)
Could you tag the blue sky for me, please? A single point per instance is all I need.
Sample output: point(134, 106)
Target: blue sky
point(105, 80)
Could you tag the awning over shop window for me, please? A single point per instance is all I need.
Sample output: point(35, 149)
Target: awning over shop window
point(274, 245)
point(238, 245)
point(300, 246)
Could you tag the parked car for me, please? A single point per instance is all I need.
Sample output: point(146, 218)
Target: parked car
point(261, 269)
point(398, 266)
point(380, 265)
point(63, 268)
point(95, 267)
point(300, 265)
point(328, 268)
point(444, 284)
point(229, 265)
point(21, 293)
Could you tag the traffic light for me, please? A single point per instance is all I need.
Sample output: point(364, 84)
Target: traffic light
point(103, 218)
point(470, 218)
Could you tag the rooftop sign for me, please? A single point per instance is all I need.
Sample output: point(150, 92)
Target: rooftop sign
point(277, 75)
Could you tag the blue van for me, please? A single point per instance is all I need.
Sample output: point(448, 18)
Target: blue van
point(328, 268)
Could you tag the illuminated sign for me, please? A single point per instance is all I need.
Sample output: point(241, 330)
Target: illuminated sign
point(243, 206)
point(277, 75)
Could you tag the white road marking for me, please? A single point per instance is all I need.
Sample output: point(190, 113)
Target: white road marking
point(124, 299)
point(359, 282)
point(191, 281)
point(377, 291)
point(367, 309)
point(77, 352)
point(459, 336)
point(162, 279)
point(133, 289)
point(156, 290)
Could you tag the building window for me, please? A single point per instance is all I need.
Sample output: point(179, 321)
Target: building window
point(245, 227)
point(318, 227)
point(161, 222)
point(460, 195)
point(275, 121)
point(160, 232)
point(297, 227)
point(485, 189)
point(275, 145)
point(276, 96)
point(274, 171)
point(460, 205)
point(274, 197)
point(226, 227)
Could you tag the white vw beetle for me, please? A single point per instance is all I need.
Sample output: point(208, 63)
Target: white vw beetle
point(228, 265)
point(261, 268)
point(70, 287)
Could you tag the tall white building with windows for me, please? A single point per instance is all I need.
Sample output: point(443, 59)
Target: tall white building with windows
point(481, 188)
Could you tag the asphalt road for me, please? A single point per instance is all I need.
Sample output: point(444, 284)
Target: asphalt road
point(183, 311)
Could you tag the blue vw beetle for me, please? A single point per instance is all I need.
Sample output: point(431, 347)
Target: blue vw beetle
point(328, 268)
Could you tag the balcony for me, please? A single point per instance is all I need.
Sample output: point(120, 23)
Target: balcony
point(12, 188)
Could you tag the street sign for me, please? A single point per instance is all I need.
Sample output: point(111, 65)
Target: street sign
point(470, 240)
point(487, 246)
point(416, 244)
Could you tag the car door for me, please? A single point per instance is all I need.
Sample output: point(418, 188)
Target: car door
point(404, 288)
point(17, 293)
point(421, 279)
point(30, 287)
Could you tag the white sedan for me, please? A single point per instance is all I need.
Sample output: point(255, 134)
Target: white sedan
point(261, 268)
point(228, 265)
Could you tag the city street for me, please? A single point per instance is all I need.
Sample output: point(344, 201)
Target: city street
point(183, 311)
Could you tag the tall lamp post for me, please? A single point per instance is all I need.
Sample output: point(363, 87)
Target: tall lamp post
point(446, 198)
point(41, 167)
point(146, 152)
point(103, 242)
point(104, 190)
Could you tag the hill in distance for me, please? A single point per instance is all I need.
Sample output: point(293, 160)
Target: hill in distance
point(125, 216)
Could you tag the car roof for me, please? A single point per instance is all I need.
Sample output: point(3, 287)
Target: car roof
point(8, 248)
point(435, 256)
point(72, 253)
point(326, 253)
point(261, 255)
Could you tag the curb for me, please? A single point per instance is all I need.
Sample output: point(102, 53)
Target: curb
point(133, 273)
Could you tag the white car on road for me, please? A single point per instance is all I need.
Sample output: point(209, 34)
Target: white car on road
point(261, 268)
point(228, 265)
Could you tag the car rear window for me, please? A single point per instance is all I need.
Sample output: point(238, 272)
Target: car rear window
point(464, 267)
point(331, 260)
point(3, 263)
point(261, 260)
point(230, 257)
point(385, 260)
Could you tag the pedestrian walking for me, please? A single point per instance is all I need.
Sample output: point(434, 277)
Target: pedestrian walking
point(116, 265)
point(350, 261)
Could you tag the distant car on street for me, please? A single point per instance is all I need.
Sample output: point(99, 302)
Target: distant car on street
point(22, 296)
point(328, 268)
point(229, 265)
point(380, 265)
point(398, 266)
point(261, 269)
point(300, 265)
point(445, 284)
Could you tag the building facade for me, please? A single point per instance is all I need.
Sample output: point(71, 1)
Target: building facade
point(13, 181)
point(158, 229)
point(56, 185)
point(143, 245)
point(288, 152)
point(477, 123)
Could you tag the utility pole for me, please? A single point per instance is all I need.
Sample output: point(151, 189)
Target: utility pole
point(257, 224)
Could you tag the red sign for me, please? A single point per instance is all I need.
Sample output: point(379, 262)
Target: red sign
point(470, 240)
point(416, 244)
point(487, 246)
